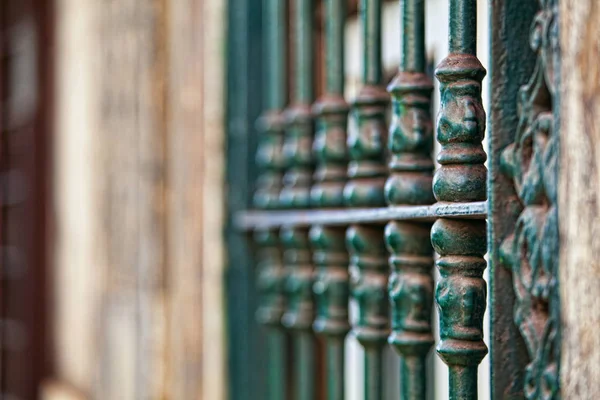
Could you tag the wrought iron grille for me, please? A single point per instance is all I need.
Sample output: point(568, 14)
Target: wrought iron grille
point(361, 213)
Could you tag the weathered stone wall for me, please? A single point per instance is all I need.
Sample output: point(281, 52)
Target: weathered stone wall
point(579, 198)
point(139, 197)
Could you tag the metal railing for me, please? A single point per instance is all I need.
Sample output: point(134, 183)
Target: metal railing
point(358, 214)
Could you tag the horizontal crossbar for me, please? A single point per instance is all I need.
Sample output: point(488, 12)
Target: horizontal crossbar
point(253, 219)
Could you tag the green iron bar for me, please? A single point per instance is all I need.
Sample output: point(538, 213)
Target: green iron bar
point(297, 180)
point(366, 144)
point(331, 286)
point(275, 57)
point(269, 184)
point(331, 290)
point(334, 46)
point(461, 244)
point(299, 311)
point(373, 372)
point(370, 11)
point(367, 173)
point(369, 277)
point(271, 307)
point(276, 377)
point(329, 146)
point(411, 254)
point(463, 27)
point(305, 348)
point(271, 124)
point(304, 47)
point(335, 374)
point(299, 133)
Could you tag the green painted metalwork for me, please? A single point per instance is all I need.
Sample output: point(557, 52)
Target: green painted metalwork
point(299, 132)
point(411, 129)
point(410, 181)
point(331, 289)
point(304, 186)
point(461, 244)
point(411, 297)
point(335, 367)
point(269, 156)
point(299, 312)
point(369, 278)
point(512, 64)
point(373, 372)
point(367, 170)
point(276, 378)
point(304, 348)
point(531, 251)
point(270, 311)
point(270, 277)
point(367, 173)
point(274, 21)
point(269, 159)
point(297, 180)
point(246, 353)
point(330, 139)
point(331, 286)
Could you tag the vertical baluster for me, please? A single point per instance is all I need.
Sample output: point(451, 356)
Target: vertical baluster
point(330, 256)
point(269, 156)
point(299, 308)
point(367, 174)
point(270, 285)
point(411, 260)
point(296, 194)
point(331, 290)
point(368, 268)
point(299, 133)
point(270, 161)
point(332, 111)
point(461, 243)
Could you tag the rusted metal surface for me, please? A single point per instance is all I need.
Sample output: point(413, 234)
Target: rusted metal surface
point(512, 63)
point(530, 251)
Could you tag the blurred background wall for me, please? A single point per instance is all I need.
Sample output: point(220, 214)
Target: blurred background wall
point(138, 169)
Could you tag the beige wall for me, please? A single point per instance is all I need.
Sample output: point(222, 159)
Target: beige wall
point(139, 195)
point(579, 203)
point(78, 270)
